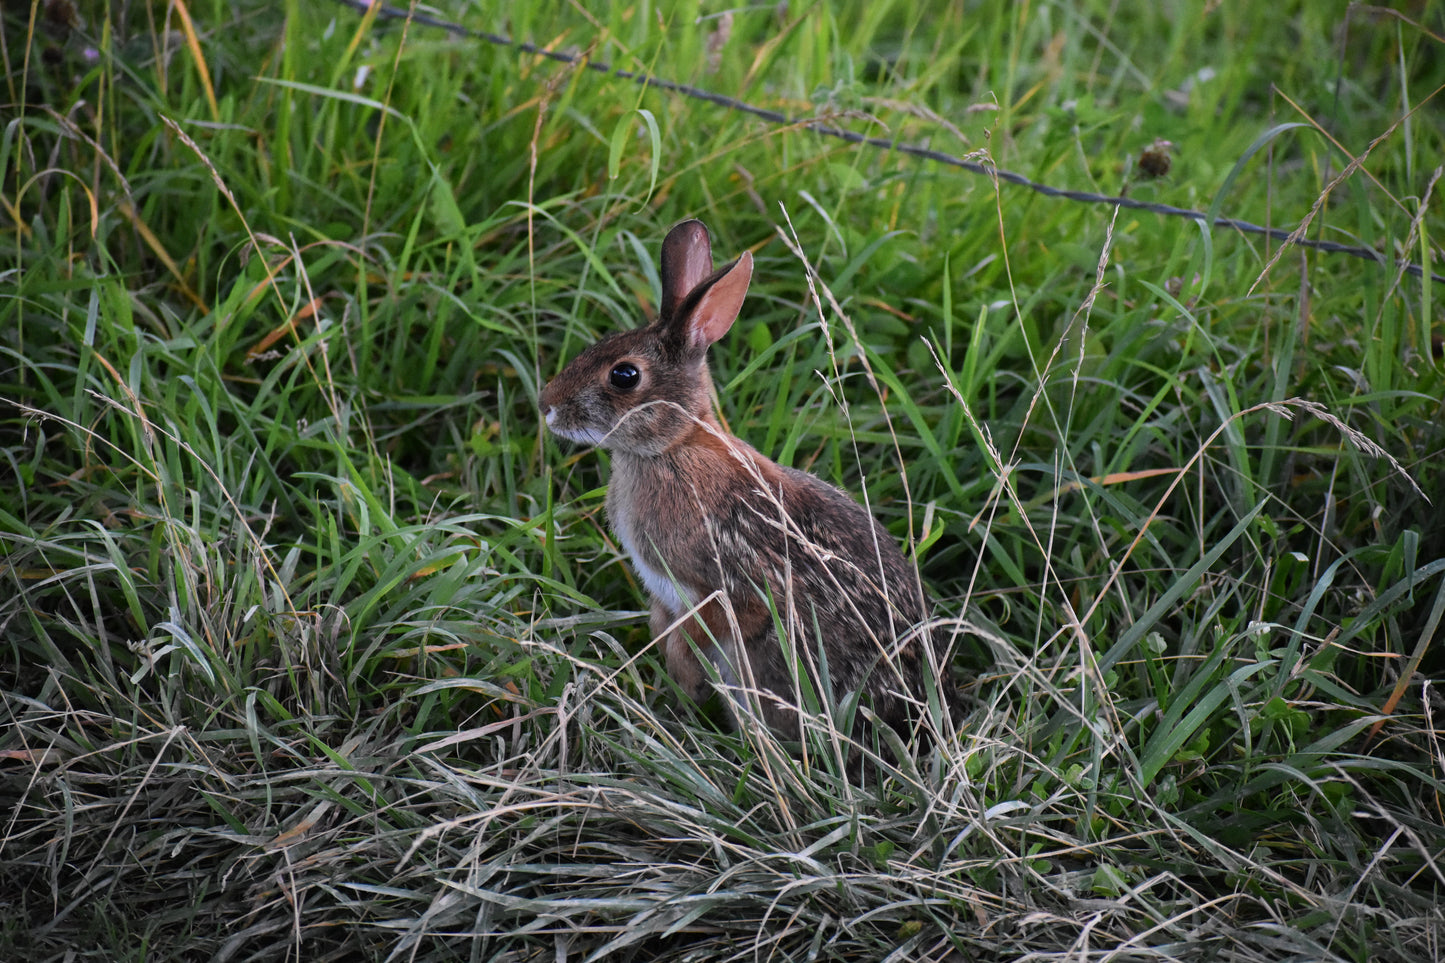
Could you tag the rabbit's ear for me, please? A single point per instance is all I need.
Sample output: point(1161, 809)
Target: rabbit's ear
point(686, 263)
point(710, 316)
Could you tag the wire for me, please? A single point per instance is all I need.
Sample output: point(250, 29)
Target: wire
point(881, 143)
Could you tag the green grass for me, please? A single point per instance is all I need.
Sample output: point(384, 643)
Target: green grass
point(316, 647)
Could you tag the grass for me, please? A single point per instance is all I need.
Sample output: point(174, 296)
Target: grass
point(315, 647)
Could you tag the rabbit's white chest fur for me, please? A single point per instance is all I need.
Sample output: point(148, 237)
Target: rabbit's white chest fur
point(660, 586)
point(665, 524)
point(636, 519)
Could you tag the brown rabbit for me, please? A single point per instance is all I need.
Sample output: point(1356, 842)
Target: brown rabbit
point(721, 536)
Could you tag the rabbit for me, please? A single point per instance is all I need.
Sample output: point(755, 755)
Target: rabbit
point(722, 537)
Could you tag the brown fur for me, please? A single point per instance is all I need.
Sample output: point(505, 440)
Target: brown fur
point(716, 530)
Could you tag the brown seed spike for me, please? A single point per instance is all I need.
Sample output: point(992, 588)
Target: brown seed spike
point(1155, 161)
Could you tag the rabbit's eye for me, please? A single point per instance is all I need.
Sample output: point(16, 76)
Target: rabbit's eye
point(625, 376)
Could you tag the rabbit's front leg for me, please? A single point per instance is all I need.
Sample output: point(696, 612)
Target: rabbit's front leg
point(682, 661)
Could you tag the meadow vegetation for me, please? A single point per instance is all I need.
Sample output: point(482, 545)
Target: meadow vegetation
point(314, 646)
